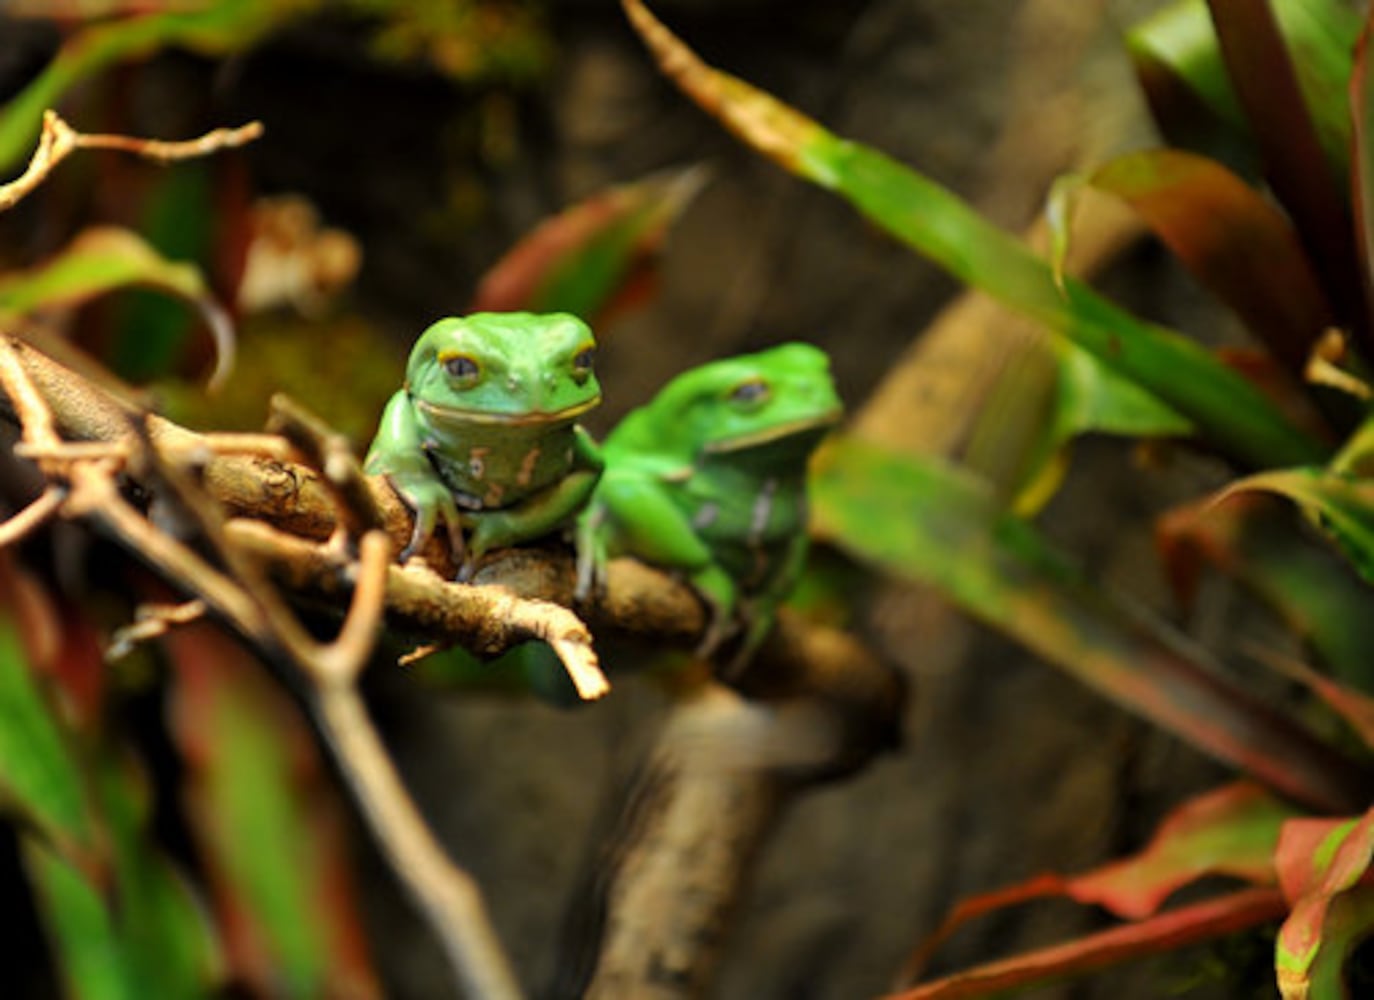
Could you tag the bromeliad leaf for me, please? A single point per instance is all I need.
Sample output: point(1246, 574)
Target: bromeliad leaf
point(1322, 865)
point(104, 259)
point(1223, 406)
point(595, 257)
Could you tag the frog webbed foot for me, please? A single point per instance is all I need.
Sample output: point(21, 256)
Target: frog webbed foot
point(432, 504)
point(715, 587)
point(589, 541)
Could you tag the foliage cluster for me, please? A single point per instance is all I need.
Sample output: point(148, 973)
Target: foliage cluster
point(1265, 196)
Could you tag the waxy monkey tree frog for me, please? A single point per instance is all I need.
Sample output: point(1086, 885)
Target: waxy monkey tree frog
point(709, 479)
point(483, 435)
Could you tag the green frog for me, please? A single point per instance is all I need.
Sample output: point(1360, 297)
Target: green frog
point(483, 438)
point(709, 479)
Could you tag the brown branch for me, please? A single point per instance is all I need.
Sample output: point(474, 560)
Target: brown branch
point(816, 704)
point(447, 895)
point(59, 140)
point(647, 926)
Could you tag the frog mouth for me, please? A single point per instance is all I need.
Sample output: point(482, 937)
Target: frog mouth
point(777, 432)
point(458, 414)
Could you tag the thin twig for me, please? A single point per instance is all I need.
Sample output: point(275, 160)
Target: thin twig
point(152, 621)
point(34, 515)
point(59, 140)
point(448, 895)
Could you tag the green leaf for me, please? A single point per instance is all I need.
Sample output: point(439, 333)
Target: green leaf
point(267, 823)
point(1232, 239)
point(39, 775)
point(595, 257)
point(1340, 506)
point(926, 522)
point(104, 259)
point(1256, 541)
point(87, 949)
point(166, 943)
point(212, 29)
point(1227, 409)
point(1320, 863)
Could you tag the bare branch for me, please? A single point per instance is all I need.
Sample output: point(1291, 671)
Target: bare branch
point(33, 516)
point(450, 899)
point(152, 621)
point(59, 140)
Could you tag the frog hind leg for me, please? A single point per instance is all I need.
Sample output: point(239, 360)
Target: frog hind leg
point(634, 515)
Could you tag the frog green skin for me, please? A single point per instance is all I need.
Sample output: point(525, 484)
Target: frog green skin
point(483, 437)
point(709, 479)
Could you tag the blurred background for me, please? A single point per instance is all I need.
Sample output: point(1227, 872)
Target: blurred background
point(407, 148)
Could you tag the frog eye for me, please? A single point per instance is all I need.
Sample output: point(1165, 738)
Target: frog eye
point(583, 362)
point(460, 366)
point(752, 393)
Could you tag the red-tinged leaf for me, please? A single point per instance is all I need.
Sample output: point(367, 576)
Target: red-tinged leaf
point(1362, 118)
point(269, 825)
point(924, 521)
point(597, 257)
point(1355, 707)
point(1232, 239)
point(1318, 860)
point(1174, 54)
point(1268, 88)
point(1341, 506)
point(1255, 540)
point(105, 259)
point(1232, 830)
point(1166, 932)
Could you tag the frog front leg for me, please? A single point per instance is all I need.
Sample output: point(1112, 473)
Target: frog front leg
point(399, 452)
point(633, 513)
point(532, 518)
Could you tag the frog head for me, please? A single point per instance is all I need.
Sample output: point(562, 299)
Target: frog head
point(781, 401)
point(504, 369)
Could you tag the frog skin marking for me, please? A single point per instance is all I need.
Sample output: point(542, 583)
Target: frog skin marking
point(482, 438)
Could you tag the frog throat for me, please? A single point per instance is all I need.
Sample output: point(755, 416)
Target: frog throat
point(447, 416)
point(768, 435)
